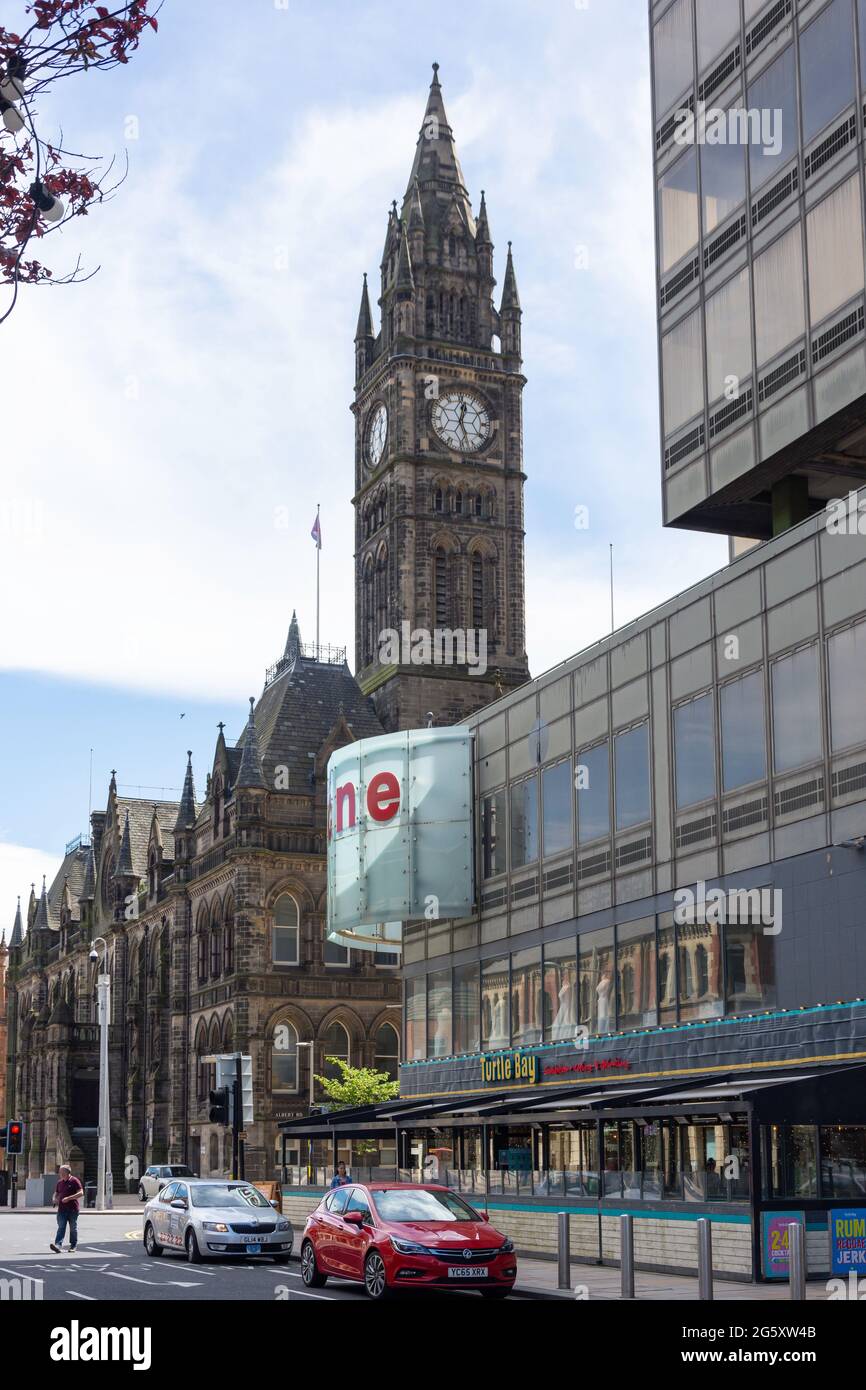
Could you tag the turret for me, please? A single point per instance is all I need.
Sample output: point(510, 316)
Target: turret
point(364, 336)
point(510, 312)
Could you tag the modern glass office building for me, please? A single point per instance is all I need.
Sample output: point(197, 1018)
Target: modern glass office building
point(758, 110)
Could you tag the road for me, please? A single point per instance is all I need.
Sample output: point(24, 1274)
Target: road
point(110, 1265)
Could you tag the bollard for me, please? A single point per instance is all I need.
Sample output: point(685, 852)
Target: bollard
point(626, 1255)
point(705, 1260)
point(797, 1260)
point(563, 1224)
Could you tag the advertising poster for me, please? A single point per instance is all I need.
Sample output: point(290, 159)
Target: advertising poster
point(848, 1240)
point(775, 1241)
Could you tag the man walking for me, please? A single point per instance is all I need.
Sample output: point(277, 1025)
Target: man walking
point(66, 1195)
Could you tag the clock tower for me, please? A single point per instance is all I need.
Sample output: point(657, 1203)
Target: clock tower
point(439, 585)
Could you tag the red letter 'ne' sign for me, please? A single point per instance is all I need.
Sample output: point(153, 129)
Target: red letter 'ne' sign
point(383, 796)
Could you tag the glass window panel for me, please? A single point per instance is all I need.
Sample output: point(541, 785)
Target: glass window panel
point(834, 232)
point(678, 210)
point(780, 305)
point(560, 990)
point(826, 67)
point(796, 709)
point(723, 181)
point(592, 782)
point(332, 954)
point(744, 757)
point(847, 661)
point(792, 1151)
point(843, 1161)
point(729, 341)
point(699, 971)
point(439, 1013)
point(861, 25)
point(284, 1059)
point(632, 777)
point(751, 967)
point(752, 8)
point(597, 1001)
point(526, 1015)
point(667, 969)
point(493, 841)
point(672, 54)
point(682, 371)
point(415, 995)
point(524, 823)
point(556, 785)
point(636, 974)
point(467, 1015)
point(718, 28)
point(694, 751)
point(775, 91)
point(494, 1004)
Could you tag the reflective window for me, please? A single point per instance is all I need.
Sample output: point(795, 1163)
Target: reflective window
point(843, 1161)
point(672, 54)
point(678, 210)
point(846, 653)
point(796, 709)
point(718, 28)
point(526, 1012)
point(439, 1013)
point(332, 954)
point(861, 25)
point(834, 239)
point(723, 181)
point(751, 967)
point(415, 1003)
point(493, 840)
point(494, 1003)
point(741, 705)
point(775, 91)
point(699, 971)
point(694, 751)
point(792, 1152)
point(335, 1048)
point(592, 783)
point(597, 999)
point(682, 371)
point(560, 990)
point(524, 822)
point(284, 1058)
point(636, 974)
point(631, 776)
point(667, 969)
point(780, 306)
point(386, 1057)
point(285, 933)
point(729, 348)
point(556, 808)
point(826, 67)
point(467, 1015)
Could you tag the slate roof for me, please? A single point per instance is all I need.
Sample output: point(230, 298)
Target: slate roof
point(75, 865)
point(140, 816)
point(297, 711)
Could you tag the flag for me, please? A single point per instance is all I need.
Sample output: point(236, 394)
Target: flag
point(316, 532)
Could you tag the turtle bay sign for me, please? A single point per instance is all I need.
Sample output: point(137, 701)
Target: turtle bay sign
point(400, 842)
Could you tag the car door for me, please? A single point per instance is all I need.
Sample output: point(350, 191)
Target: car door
point(159, 1213)
point(330, 1225)
point(354, 1240)
point(149, 1181)
point(178, 1220)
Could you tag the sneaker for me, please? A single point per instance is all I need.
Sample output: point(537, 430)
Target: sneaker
point(58, 1249)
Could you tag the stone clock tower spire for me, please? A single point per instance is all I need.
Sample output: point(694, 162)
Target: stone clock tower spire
point(439, 585)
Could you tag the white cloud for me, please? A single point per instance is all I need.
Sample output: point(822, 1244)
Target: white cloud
point(19, 867)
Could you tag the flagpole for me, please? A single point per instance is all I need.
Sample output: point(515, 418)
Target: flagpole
point(318, 556)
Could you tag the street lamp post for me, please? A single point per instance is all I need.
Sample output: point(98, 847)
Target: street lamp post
point(311, 1046)
point(103, 1013)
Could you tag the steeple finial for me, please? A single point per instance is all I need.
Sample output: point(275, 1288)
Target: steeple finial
point(404, 283)
point(186, 812)
point(435, 82)
point(17, 929)
point(293, 641)
point(482, 230)
point(250, 773)
point(365, 316)
point(41, 922)
point(510, 297)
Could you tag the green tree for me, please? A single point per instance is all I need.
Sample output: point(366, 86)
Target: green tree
point(357, 1085)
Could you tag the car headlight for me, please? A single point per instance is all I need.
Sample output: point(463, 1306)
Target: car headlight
point(283, 1224)
point(408, 1247)
point(507, 1248)
point(214, 1226)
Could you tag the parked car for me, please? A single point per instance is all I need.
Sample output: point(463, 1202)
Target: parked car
point(405, 1235)
point(154, 1178)
point(209, 1217)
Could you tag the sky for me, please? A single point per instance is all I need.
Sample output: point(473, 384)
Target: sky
point(171, 424)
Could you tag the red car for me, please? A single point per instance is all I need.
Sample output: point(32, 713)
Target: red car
point(388, 1236)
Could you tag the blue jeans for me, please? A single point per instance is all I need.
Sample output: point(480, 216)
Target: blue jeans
point(65, 1218)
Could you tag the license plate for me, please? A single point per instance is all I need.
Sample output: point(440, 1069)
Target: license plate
point(467, 1272)
point(254, 1247)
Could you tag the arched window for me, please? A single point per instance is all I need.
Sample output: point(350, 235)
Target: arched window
point(284, 1057)
point(386, 1056)
point(382, 590)
point(441, 604)
point(216, 945)
point(335, 1043)
point(478, 504)
point(334, 954)
point(229, 939)
point(202, 947)
point(458, 502)
point(438, 500)
point(286, 931)
point(214, 1153)
point(380, 508)
point(477, 591)
point(368, 613)
point(201, 1065)
point(430, 320)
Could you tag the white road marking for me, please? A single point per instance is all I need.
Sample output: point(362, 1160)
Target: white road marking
point(73, 1293)
point(323, 1297)
point(113, 1274)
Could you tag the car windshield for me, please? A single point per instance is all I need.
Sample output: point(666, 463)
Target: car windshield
point(420, 1205)
point(180, 1171)
point(222, 1194)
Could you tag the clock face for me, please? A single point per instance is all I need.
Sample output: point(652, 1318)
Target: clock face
point(461, 421)
point(377, 434)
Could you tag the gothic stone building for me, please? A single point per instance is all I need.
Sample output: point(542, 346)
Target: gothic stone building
point(213, 916)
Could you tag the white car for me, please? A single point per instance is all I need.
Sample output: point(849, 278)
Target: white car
point(210, 1217)
point(155, 1177)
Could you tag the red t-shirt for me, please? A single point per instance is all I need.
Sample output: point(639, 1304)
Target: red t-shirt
point(65, 1188)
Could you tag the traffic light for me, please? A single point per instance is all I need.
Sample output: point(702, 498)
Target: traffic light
point(14, 1137)
point(218, 1114)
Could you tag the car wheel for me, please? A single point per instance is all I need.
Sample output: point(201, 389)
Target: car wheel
point(375, 1279)
point(193, 1253)
point(495, 1293)
point(150, 1246)
point(309, 1270)
point(142, 1195)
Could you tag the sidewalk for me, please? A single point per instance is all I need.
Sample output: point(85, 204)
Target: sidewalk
point(538, 1279)
point(123, 1201)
